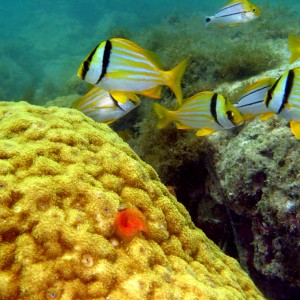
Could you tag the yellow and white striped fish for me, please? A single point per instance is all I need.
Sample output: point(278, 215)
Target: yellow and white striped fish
point(294, 47)
point(284, 99)
point(99, 105)
point(119, 65)
point(251, 102)
point(206, 112)
point(234, 13)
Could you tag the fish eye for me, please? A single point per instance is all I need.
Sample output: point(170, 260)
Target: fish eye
point(230, 115)
point(253, 9)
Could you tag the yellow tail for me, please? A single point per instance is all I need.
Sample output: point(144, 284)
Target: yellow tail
point(174, 79)
point(164, 115)
point(294, 47)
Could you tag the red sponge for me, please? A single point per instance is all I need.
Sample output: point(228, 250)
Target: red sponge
point(129, 222)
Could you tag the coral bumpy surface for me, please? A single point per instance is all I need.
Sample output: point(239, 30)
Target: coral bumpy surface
point(63, 181)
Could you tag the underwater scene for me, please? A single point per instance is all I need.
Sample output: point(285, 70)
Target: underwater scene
point(150, 149)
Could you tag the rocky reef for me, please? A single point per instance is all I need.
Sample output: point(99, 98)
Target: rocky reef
point(256, 176)
point(63, 181)
point(241, 187)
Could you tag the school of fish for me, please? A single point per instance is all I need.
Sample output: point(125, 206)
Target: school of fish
point(120, 70)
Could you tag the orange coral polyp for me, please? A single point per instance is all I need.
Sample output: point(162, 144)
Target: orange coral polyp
point(129, 223)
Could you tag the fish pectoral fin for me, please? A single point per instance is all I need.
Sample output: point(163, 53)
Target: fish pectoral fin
point(295, 128)
point(266, 116)
point(119, 96)
point(205, 131)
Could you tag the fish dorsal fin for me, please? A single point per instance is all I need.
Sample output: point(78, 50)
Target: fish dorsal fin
point(203, 96)
point(205, 131)
point(154, 58)
point(295, 128)
point(245, 4)
point(294, 47)
point(147, 53)
point(259, 84)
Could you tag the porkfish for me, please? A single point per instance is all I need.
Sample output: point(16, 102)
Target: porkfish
point(234, 13)
point(206, 112)
point(284, 99)
point(100, 105)
point(251, 101)
point(119, 65)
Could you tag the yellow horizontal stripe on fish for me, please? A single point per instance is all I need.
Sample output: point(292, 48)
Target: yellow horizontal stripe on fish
point(128, 61)
point(121, 65)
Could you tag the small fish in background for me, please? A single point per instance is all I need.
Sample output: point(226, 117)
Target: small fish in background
point(234, 13)
point(294, 47)
point(284, 99)
point(100, 105)
point(207, 112)
point(119, 65)
point(251, 102)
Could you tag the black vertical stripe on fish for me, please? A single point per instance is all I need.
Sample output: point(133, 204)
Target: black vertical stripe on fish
point(270, 92)
point(287, 91)
point(87, 62)
point(213, 107)
point(105, 60)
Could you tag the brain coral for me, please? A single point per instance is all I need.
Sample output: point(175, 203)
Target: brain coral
point(63, 180)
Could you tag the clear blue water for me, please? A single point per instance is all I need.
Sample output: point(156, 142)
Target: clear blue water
point(43, 42)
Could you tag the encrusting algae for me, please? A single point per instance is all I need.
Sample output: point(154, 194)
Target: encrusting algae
point(63, 181)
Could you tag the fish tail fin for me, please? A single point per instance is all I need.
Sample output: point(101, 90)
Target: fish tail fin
point(164, 115)
point(174, 79)
point(294, 47)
